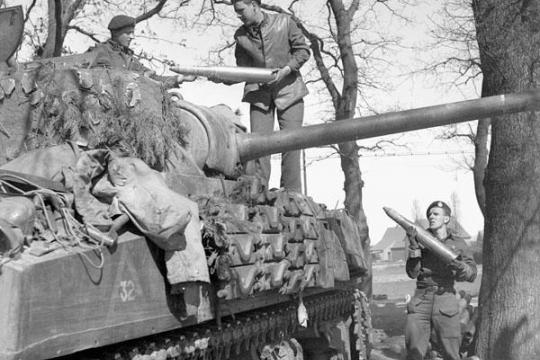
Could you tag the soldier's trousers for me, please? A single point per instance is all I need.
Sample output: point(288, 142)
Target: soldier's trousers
point(262, 121)
point(431, 313)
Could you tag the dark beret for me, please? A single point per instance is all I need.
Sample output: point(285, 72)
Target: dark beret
point(121, 21)
point(439, 204)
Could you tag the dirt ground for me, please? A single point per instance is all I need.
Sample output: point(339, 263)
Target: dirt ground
point(388, 315)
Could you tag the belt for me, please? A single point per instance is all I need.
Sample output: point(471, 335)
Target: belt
point(439, 290)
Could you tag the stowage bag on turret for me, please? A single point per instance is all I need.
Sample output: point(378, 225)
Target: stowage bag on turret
point(129, 186)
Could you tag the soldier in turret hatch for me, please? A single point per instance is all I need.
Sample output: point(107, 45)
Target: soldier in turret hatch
point(116, 53)
point(273, 41)
point(434, 306)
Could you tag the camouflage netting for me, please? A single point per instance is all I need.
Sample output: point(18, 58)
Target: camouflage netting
point(105, 108)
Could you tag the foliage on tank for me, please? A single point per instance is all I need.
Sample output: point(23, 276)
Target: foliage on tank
point(96, 109)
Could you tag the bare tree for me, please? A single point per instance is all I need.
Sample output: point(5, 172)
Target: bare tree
point(508, 36)
point(455, 36)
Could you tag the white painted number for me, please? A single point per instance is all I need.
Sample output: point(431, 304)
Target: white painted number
point(127, 291)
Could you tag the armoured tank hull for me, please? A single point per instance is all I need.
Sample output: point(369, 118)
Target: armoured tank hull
point(85, 308)
point(61, 299)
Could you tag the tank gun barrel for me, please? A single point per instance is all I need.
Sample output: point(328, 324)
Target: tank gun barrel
point(254, 145)
point(228, 73)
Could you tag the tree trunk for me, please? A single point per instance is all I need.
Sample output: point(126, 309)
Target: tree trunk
point(481, 154)
point(345, 105)
point(353, 201)
point(509, 326)
point(60, 13)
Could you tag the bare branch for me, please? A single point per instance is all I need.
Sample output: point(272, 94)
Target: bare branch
point(291, 5)
point(156, 10)
point(382, 145)
point(353, 8)
point(29, 10)
point(219, 52)
point(73, 9)
point(325, 157)
point(84, 32)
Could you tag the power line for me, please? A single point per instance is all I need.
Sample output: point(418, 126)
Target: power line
point(426, 153)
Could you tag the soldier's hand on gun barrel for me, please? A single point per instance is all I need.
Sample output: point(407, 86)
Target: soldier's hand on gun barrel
point(214, 79)
point(280, 74)
point(185, 78)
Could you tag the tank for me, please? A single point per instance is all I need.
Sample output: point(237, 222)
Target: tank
point(158, 244)
point(131, 225)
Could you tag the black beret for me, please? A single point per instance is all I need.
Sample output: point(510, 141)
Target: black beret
point(439, 204)
point(121, 21)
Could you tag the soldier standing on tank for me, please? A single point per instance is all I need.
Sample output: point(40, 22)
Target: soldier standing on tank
point(434, 306)
point(116, 53)
point(273, 41)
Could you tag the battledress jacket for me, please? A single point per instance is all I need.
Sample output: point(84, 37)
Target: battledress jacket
point(111, 54)
point(277, 42)
point(429, 270)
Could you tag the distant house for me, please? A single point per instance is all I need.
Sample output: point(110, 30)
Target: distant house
point(392, 245)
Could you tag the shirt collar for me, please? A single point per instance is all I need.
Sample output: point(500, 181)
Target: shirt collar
point(255, 29)
point(120, 48)
point(449, 236)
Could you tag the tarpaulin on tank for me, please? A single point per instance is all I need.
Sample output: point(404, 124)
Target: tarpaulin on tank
point(105, 185)
point(127, 185)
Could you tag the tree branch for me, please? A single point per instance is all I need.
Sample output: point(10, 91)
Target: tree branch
point(353, 8)
point(29, 10)
point(84, 32)
point(159, 6)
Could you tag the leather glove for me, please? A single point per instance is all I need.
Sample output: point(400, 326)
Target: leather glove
point(458, 265)
point(149, 73)
point(214, 79)
point(280, 74)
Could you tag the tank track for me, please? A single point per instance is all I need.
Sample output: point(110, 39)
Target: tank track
point(243, 333)
point(362, 325)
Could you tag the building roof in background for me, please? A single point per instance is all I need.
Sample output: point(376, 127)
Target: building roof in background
point(390, 238)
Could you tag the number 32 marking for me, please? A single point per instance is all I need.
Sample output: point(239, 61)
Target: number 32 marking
point(127, 290)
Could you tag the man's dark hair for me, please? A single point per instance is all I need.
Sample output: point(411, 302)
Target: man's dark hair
point(258, 2)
